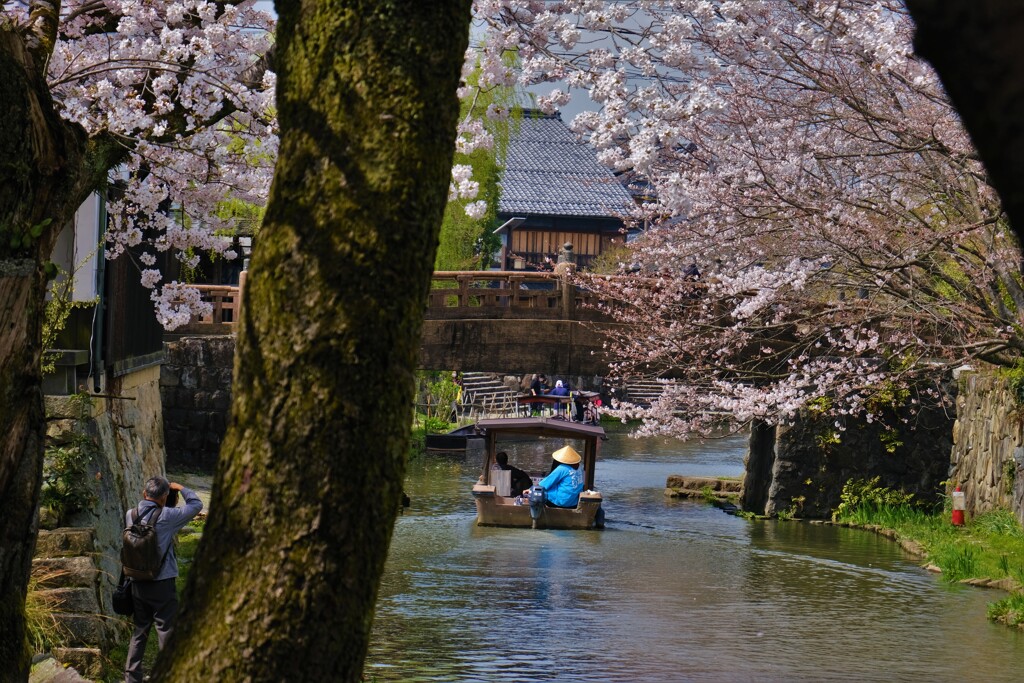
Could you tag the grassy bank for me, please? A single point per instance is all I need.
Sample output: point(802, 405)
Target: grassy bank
point(988, 550)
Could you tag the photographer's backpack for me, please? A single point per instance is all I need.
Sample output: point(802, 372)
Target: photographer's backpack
point(140, 551)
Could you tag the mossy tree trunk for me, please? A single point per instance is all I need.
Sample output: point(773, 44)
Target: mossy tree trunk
point(44, 176)
point(312, 465)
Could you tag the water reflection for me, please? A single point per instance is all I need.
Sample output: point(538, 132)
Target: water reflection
point(670, 591)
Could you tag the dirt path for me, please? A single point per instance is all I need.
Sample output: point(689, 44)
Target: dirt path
point(200, 483)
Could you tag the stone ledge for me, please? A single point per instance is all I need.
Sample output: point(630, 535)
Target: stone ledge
point(49, 670)
point(679, 486)
point(85, 630)
point(72, 600)
point(64, 572)
point(87, 661)
point(65, 542)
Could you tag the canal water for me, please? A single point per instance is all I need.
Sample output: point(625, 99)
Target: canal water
point(671, 590)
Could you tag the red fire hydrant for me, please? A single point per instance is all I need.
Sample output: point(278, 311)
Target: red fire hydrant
point(959, 504)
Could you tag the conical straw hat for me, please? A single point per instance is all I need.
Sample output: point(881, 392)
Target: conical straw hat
point(567, 454)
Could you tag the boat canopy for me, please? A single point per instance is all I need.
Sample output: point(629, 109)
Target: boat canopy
point(497, 428)
point(541, 426)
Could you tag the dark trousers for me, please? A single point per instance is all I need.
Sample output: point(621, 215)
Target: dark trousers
point(156, 602)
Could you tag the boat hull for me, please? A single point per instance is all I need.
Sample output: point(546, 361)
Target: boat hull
point(496, 510)
point(455, 440)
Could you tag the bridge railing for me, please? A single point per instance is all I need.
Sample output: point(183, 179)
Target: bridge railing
point(453, 294)
point(226, 301)
point(505, 294)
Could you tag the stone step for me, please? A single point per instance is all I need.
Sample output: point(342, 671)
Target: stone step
point(84, 630)
point(642, 391)
point(68, 600)
point(87, 661)
point(64, 572)
point(483, 383)
point(47, 669)
point(65, 542)
point(486, 393)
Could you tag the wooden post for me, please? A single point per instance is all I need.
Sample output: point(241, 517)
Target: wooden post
point(568, 296)
point(241, 292)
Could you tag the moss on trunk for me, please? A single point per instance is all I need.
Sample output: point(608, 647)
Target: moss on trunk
point(312, 465)
point(40, 163)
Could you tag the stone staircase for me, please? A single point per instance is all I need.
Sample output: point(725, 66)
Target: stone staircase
point(484, 395)
point(643, 391)
point(68, 580)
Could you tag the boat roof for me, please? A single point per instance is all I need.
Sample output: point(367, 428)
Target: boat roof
point(541, 426)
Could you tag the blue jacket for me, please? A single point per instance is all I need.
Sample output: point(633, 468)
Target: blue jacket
point(171, 521)
point(563, 486)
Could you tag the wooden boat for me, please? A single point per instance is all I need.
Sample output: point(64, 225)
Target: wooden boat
point(498, 506)
point(455, 440)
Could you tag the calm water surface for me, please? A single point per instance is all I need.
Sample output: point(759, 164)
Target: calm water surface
point(669, 591)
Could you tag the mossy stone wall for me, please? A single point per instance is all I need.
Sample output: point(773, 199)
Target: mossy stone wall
point(987, 459)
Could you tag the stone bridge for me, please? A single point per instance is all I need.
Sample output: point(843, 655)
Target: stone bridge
point(514, 322)
point(483, 321)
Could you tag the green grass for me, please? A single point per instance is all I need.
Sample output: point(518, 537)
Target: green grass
point(990, 546)
point(185, 551)
point(1009, 611)
point(44, 630)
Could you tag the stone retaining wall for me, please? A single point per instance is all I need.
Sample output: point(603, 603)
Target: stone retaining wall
point(800, 469)
point(79, 563)
point(987, 459)
point(195, 385)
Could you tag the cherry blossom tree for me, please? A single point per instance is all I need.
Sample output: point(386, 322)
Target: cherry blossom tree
point(169, 101)
point(823, 230)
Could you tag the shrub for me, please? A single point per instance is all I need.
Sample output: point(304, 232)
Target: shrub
point(1015, 377)
point(858, 493)
point(67, 486)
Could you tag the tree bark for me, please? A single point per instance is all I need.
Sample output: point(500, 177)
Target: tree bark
point(975, 46)
point(312, 466)
point(40, 166)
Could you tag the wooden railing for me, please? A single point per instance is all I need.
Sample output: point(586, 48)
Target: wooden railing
point(494, 289)
point(453, 294)
point(504, 293)
point(226, 301)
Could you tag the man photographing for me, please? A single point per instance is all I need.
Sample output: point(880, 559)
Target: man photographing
point(156, 601)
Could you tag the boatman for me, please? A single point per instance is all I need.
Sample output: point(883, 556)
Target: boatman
point(562, 487)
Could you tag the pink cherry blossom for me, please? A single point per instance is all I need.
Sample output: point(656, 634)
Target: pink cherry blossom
point(821, 229)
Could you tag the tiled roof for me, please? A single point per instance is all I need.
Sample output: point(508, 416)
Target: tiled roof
point(548, 171)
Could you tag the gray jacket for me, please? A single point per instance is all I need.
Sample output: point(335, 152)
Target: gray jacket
point(171, 521)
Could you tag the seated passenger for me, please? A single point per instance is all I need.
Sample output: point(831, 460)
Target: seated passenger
point(565, 483)
point(520, 480)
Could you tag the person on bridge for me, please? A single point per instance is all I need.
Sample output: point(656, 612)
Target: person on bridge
point(563, 486)
point(559, 390)
point(538, 387)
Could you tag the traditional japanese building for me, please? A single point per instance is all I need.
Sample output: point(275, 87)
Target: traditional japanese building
point(554, 191)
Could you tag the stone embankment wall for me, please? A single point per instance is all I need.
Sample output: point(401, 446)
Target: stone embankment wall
point(800, 469)
point(195, 385)
point(987, 459)
point(77, 564)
